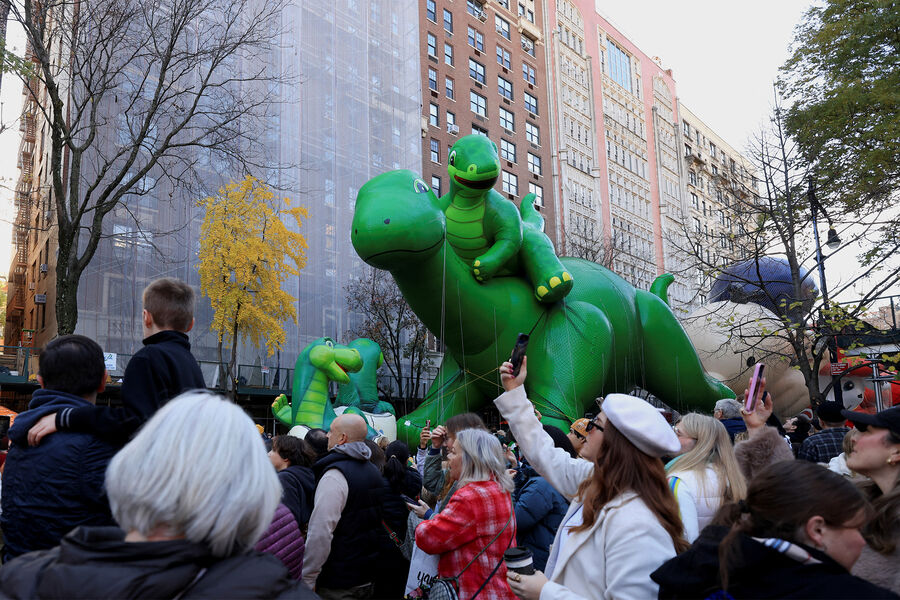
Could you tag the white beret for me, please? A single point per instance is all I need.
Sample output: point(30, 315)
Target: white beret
point(642, 424)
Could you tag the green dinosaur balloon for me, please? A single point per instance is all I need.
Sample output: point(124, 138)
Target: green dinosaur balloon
point(605, 336)
point(485, 229)
point(362, 390)
point(320, 362)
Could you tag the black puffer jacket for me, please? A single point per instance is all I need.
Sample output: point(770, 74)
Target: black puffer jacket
point(758, 572)
point(96, 562)
point(50, 489)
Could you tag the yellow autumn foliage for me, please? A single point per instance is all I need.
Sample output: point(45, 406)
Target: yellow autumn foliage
point(246, 253)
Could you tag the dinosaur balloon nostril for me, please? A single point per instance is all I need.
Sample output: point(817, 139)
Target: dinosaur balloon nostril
point(356, 232)
point(387, 221)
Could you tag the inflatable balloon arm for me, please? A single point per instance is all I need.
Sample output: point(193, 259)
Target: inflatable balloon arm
point(504, 221)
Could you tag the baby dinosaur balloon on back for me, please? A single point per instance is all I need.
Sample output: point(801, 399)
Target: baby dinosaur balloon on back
point(486, 230)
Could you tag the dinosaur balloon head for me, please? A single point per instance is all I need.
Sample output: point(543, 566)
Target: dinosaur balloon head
point(473, 165)
point(397, 220)
point(334, 359)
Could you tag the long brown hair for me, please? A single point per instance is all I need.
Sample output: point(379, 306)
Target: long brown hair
point(620, 467)
point(883, 530)
point(781, 498)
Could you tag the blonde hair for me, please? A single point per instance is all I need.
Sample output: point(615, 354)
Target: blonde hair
point(712, 450)
point(482, 458)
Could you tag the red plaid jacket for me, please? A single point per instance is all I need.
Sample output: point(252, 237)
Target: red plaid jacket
point(474, 515)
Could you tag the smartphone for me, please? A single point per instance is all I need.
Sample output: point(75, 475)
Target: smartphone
point(427, 423)
point(755, 381)
point(518, 353)
point(409, 500)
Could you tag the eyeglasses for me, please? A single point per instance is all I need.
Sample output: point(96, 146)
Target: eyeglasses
point(593, 424)
point(576, 434)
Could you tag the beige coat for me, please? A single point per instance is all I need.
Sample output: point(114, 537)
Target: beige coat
point(614, 558)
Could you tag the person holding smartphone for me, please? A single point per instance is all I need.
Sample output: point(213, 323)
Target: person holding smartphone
point(623, 521)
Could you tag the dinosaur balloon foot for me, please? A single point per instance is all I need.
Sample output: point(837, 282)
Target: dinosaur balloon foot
point(554, 288)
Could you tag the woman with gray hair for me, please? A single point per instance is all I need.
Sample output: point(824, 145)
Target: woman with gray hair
point(192, 493)
point(477, 526)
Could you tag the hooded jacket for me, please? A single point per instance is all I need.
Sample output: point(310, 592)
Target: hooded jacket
point(299, 486)
point(96, 562)
point(50, 489)
point(758, 571)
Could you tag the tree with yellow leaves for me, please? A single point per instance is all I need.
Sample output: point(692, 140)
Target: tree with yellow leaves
point(247, 253)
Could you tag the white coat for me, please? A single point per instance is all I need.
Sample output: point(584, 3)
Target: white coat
point(614, 558)
point(697, 503)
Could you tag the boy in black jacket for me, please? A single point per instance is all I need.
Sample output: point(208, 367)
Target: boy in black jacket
point(158, 372)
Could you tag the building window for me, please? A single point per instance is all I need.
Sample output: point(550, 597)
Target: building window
point(531, 103)
point(502, 26)
point(697, 228)
point(473, 7)
point(436, 185)
point(692, 177)
point(528, 45)
point(507, 150)
point(715, 170)
point(695, 201)
point(479, 130)
point(432, 79)
point(503, 57)
point(435, 151)
point(448, 54)
point(687, 129)
point(432, 45)
point(687, 150)
point(712, 150)
point(510, 183)
point(504, 3)
point(451, 118)
point(528, 73)
point(478, 104)
point(476, 71)
point(431, 11)
point(448, 21)
point(534, 163)
point(538, 192)
point(505, 88)
point(532, 133)
point(476, 39)
point(619, 66)
point(449, 86)
point(507, 120)
point(434, 115)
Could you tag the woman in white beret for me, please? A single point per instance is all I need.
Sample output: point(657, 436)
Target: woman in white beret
point(623, 521)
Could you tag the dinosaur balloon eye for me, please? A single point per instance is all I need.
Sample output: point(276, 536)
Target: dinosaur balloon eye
point(329, 343)
point(420, 187)
point(452, 158)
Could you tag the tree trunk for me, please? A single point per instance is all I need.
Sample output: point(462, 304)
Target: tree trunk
point(231, 364)
point(66, 299)
point(223, 375)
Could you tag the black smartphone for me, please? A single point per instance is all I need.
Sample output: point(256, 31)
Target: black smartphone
point(518, 353)
point(409, 500)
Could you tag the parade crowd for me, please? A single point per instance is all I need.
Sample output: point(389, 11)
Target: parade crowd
point(177, 494)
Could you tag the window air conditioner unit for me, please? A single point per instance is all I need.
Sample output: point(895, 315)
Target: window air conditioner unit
point(452, 128)
point(31, 286)
point(482, 16)
point(44, 268)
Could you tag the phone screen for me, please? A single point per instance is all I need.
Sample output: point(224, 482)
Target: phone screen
point(755, 381)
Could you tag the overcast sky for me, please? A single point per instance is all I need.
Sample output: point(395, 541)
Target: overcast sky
point(724, 56)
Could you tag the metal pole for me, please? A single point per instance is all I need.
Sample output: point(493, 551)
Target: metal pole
point(820, 260)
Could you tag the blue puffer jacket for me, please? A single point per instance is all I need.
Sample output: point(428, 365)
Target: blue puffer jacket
point(50, 489)
point(539, 511)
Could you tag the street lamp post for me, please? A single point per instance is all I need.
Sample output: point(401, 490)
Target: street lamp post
point(832, 242)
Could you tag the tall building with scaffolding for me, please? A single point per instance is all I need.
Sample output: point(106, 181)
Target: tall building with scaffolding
point(350, 110)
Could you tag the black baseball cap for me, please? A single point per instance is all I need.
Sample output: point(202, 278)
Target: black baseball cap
point(830, 412)
point(887, 419)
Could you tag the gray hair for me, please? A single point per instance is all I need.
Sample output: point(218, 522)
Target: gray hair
point(731, 409)
point(482, 458)
point(196, 469)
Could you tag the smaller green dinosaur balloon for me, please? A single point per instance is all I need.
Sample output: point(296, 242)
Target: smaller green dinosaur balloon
point(320, 362)
point(486, 229)
point(362, 391)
